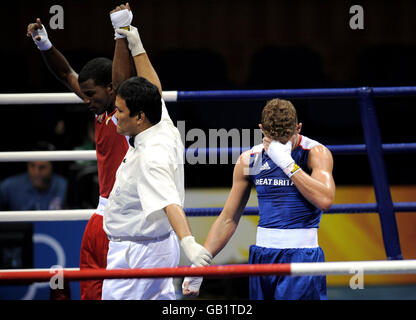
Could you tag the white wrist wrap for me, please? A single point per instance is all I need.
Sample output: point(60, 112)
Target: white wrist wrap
point(194, 283)
point(121, 20)
point(43, 44)
point(280, 153)
point(291, 169)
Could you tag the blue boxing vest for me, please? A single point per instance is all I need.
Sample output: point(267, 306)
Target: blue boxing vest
point(281, 205)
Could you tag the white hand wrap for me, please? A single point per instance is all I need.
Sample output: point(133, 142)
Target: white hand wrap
point(133, 38)
point(281, 155)
point(194, 283)
point(196, 253)
point(43, 44)
point(121, 19)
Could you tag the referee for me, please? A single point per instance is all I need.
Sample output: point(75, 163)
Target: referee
point(144, 214)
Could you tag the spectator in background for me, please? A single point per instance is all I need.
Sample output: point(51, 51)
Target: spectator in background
point(37, 189)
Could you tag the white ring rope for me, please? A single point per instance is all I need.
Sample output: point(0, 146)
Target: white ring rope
point(367, 267)
point(61, 155)
point(37, 269)
point(46, 215)
point(39, 98)
point(58, 98)
point(74, 155)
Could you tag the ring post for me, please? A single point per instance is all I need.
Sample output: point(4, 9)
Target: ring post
point(372, 137)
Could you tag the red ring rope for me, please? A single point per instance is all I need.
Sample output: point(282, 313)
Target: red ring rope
point(239, 270)
point(95, 274)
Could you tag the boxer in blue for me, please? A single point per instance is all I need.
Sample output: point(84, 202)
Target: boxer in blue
point(292, 175)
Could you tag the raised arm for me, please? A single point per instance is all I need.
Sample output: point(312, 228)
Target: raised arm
point(55, 61)
point(123, 65)
point(144, 67)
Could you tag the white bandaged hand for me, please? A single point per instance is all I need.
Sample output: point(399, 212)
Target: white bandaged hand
point(196, 253)
point(191, 286)
point(133, 38)
point(281, 155)
point(40, 37)
point(121, 19)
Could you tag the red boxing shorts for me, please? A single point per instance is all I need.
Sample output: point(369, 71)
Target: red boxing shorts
point(94, 248)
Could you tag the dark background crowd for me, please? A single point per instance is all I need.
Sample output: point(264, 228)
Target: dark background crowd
point(218, 44)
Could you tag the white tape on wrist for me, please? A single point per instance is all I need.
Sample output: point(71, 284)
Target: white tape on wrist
point(280, 154)
point(194, 283)
point(291, 169)
point(44, 43)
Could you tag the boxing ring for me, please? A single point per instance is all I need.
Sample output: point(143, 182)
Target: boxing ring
point(373, 147)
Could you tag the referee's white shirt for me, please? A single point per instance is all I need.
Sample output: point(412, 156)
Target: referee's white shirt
point(150, 177)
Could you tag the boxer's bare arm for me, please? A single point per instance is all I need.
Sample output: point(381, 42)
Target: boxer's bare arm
point(319, 186)
point(226, 223)
point(57, 63)
point(123, 65)
point(143, 66)
point(62, 70)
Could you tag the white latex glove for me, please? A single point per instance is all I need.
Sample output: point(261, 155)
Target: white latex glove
point(281, 155)
point(196, 253)
point(40, 37)
point(133, 38)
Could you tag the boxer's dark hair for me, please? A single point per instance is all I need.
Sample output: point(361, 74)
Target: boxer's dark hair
point(141, 96)
point(99, 70)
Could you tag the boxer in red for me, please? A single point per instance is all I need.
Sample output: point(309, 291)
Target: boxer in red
point(96, 84)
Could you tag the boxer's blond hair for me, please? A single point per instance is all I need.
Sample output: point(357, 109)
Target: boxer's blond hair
point(279, 119)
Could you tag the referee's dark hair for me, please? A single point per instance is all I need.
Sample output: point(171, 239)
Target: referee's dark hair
point(141, 96)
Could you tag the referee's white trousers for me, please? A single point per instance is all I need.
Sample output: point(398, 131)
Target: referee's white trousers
point(143, 254)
